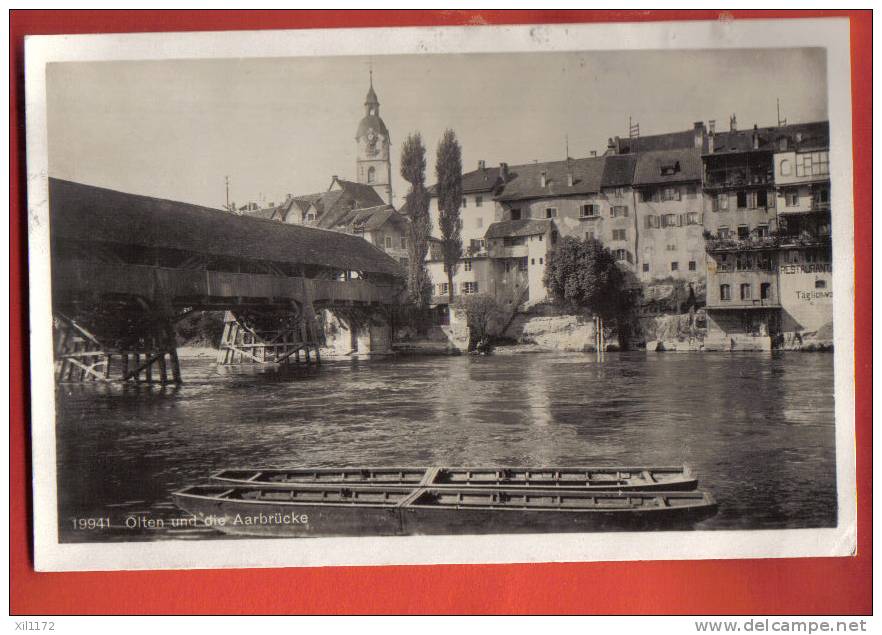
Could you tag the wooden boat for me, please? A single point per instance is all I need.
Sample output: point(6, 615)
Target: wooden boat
point(335, 510)
point(591, 478)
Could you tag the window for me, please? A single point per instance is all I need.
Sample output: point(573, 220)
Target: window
point(762, 198)
point(371, 174)
point(388, 242)
point(692, 218)
point(646, 195)
point(721, 202)
point(479, 201)
point(762, 231)
point(619, 192)
point(516, 214)
point(724, 263)
point(765, 291)
point(671, 247)
point(675, 266)
point(741, 200)
point(669, 220)
point(469, 287)
point(821, 196)
point(310, 217)
point(813, 164)
point(743, 232)
point(725, 293)
point(466, 265)
point(742, 262)
point(464, 201)
point(404, 242)
point(671, 194)
point(541, 261)
point(651, 221)
point(622, 254)
point(645, 267)
point(522, 264)
point(589, 236)
point(791, 198)
point(690, 191)
point(691, 265)
point(404, 262)
point(619, 211)
point(514, 241)
point(820, 284)
point(589, 210)
point(620, 234)
point(442, 288)
point(550, 212)
point(745, 291)
point(723, 232)
point(669, 169)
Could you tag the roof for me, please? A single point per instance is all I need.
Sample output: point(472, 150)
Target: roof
point(486, 180)
point(805, 136)
point(365, 220)
point(525, 181)
point(526, 227)
point(618, 170)
point(653, 143)
point(685, 165)
point(95, 214)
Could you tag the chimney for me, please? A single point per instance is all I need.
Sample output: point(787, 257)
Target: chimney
point(503, 171)
point(569, 179)
point(711, 126)
point(594, 153)
point(482, 165)
point(698, 130)
point(543, 179)
point(733, 123)
point(711, 131)
point(755, 138)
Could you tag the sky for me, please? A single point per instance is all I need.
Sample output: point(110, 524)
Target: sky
point(175, 129)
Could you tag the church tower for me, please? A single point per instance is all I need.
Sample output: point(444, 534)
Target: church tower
point(373, 165)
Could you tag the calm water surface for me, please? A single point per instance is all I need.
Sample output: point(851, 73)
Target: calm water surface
point(758, 428)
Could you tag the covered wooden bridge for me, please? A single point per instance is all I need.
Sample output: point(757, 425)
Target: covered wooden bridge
point(126, 267)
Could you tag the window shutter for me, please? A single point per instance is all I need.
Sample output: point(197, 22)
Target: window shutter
point(648, 222)
point(679, 220)
point(677, 193)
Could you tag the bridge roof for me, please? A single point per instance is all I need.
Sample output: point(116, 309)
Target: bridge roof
point(95, 214)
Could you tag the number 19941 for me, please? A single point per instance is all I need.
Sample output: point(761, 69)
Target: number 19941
point(90, 523)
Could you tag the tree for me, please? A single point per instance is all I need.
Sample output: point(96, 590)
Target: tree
point(448, 170)
point(483, 314)
point(413, 170)
point(583, 274)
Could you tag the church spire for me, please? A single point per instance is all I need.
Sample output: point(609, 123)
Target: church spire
point(371, 99)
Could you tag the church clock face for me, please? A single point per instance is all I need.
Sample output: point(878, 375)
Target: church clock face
point(372, 143)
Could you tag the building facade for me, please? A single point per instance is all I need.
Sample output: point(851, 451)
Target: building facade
point(768, 236)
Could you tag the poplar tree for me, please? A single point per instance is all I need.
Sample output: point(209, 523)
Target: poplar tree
point(448, 170)
point(413, 170)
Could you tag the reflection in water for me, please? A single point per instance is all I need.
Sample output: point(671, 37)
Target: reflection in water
point(757, 428)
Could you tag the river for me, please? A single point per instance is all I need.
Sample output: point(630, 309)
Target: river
point(757, 428)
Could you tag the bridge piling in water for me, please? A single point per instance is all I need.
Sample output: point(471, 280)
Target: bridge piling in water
point(268, 337)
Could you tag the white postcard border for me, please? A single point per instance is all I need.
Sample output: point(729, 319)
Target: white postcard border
point(50, 555)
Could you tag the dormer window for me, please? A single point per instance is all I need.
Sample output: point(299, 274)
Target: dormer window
point(669, 169)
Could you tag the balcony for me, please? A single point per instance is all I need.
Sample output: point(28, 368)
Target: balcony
point(727, 180)
point(717, 244)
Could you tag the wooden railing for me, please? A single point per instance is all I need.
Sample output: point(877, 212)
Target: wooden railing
point(81, 278)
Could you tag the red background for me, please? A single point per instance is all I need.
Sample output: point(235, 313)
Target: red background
point(793, 586)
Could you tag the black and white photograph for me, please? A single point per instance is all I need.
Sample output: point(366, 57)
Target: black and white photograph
point(459, 295)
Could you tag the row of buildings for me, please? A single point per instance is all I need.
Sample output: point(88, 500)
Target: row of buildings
point(740, 217)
